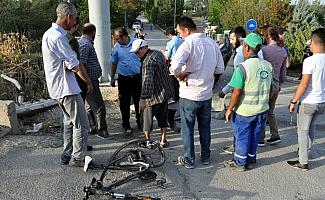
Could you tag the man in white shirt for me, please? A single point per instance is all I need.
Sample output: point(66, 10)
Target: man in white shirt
point(196, 64)
point(311, 96)
point(60, 63)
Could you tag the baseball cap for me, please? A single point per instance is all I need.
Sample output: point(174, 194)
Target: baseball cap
point(137, 44)
point(253, 40)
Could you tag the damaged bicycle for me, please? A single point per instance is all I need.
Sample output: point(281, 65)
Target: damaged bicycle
point(138, 157)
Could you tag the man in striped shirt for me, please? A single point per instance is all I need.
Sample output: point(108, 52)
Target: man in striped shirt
point(156, 88)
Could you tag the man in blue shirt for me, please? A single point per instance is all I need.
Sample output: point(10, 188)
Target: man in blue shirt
point(172, 45)
point(127, 66)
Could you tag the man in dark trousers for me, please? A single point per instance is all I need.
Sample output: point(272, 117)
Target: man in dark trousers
point(127, 66)
point(89, 58)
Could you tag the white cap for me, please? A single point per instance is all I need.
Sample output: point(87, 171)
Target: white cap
point(137, 44)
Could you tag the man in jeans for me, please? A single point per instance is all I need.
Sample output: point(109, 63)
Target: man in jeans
point(60, 63)
point(311, 96)
point(196, 63)
point(94, 102)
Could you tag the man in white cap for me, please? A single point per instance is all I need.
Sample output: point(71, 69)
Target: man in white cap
point(156, 88)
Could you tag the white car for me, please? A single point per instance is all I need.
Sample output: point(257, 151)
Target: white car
point(136, 25)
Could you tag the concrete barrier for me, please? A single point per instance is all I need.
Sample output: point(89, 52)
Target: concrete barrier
point(8, 116)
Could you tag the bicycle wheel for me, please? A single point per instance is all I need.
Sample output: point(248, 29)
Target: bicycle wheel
point(138, 154)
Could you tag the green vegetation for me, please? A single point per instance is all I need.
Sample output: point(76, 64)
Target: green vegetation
point(161, 12)
point(299, 30)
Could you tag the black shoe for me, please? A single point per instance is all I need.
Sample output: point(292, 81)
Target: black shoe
point(76, 163)
point(65, 159)
point(296, 164)
point(261, 144)
point(229, 149)
point(274, 140)
point(104, 135)
point(93, 131)
point(128, 131)
point(205, 161)
point(250, 165)
point(176, 129)
point(89, 148)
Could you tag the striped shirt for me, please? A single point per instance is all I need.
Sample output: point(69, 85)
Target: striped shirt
point(156, 85)
point(89, 58)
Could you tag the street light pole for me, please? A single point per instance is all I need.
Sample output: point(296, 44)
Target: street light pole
point(175, 13)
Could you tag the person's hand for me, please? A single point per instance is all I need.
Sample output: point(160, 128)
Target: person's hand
point(291, 107)
point(228, 115)
point(142, 104)
point(221, 94)
point(183, 76)
point(90, 88)
point(112, 82)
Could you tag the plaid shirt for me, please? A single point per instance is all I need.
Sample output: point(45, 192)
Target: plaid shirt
point(89, 58)
point(156, 85)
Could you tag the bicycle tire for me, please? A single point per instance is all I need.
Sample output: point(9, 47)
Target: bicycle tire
point(154, 155)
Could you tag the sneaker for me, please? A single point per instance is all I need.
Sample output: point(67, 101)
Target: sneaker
point(176, 129)
point(104, 135)
point(181, 161)
point(229, 149)
point(274, 140)
point(205, 162)
point(89, 148)
point(128, 131)
point(76, 163)
point(261, 144)
point(232, 165)
point(93, 131)
point(250, 165)
point(296, 164)
point(65, 159)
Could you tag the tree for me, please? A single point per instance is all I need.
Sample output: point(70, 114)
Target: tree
point(161, 12)
point(236, 12)
point(214, 9)
point(24, 16)
point(299, 30)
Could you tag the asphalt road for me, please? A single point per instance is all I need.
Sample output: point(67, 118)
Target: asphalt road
point(30, 169)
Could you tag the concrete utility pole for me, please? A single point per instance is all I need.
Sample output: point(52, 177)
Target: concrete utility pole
point(99, 15)
point(175, 13)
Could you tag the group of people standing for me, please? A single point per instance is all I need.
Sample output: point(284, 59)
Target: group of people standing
point(192, 63)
